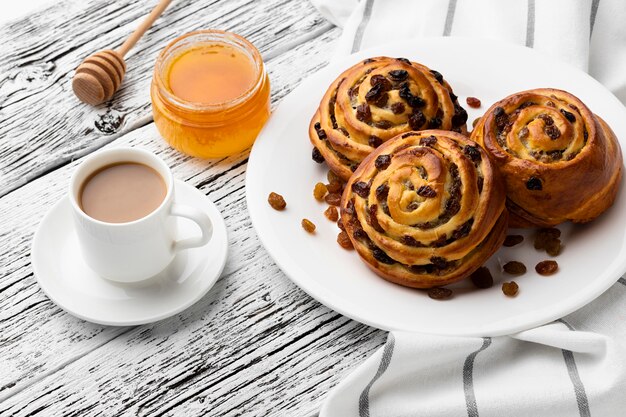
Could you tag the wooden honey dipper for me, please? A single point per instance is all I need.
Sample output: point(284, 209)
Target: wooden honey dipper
point(99, 76)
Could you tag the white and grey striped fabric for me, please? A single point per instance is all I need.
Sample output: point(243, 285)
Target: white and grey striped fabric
point(573, 367)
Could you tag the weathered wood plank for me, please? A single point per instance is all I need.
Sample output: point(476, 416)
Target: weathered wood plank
point(39, 56)
point(291, 334)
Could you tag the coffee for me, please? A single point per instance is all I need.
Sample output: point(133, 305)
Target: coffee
point(122, 192)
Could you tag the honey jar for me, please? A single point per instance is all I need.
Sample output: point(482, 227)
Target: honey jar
point(210, 93)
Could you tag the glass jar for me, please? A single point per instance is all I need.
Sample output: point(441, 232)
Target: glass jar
point(209, 130)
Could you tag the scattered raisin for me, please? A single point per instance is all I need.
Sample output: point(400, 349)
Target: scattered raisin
point(374, 141)
point(397, 108)
point(332, 177)
point(331, 213)
point(553, 132)
point(362, 189)
point(569, 116)
point(512, 240)
point(482, 277)
point(472, 152)
point(308, 225)
point(416, 120)
point(440, 293)
point(426, 192)
point(340, 225)
point(334, 187)
point(430, 140)
point(276, 201)
point(534, 183)
point(363, 113)
point(553, 247)
point(382, 162)
point(344, 240)
point(514, 268)
point(545, 236)
point(398, 75)
point(510, 289)
point(319, 191)
point(546, 267)
point(317, 155)
point(473, 102)
point(333, 199)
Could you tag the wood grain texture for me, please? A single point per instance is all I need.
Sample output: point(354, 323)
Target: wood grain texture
point(255, 345)
point(39, 59)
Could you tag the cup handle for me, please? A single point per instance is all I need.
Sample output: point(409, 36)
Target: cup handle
point(200, 218)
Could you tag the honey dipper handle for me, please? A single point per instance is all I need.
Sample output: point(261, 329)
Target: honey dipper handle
point(145, 25)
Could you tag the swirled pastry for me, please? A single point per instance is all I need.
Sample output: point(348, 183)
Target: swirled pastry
point(559, 161)
point(425, 209)
point(375, 100)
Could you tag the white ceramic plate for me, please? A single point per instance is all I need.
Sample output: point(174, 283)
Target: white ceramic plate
point(67, 280)
point(594, 256)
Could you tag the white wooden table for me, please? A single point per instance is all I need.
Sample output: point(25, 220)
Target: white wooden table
point(255, 345)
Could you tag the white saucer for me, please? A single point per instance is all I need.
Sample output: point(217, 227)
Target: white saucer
point(66, 279)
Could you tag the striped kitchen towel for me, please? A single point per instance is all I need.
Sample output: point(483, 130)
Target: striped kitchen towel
point(575, 366)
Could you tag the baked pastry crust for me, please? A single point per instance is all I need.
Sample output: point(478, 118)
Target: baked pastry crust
point(559, 161)
point(425, 209)
point(375, 100)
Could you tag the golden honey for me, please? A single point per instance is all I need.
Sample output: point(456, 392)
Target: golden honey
point(210, 94)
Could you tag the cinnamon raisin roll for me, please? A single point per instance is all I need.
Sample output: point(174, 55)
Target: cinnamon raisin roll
point(425, 209)
point(559, 161)
point(375, 100)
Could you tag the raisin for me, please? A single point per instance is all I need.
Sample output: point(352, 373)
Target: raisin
point(498, 111)
point(382, 257)
point(439, 262)
point(473, 102)
point(546, 119)
point(406, 61)
point(308, 225)
point(460, 116)
point(416, 102)
point(344, 240)
point(550, 104)
point(334, 187)
point(410, 241)
point(321, 134)
point(510, 289)
point(317, 155)
point(374, 141)
point(319, 191)
point(553, 132)
point(546, 267)
point(382, 191)
point(405, 92)
point(373, 210)
point(534, 184)
point(440, 293)
point(428, 141)
point(475, 122)
point(368, 61)
point(332, 177)
point(362, 189)
point(374, 93)
point(363, 113)
point(482, 278)
point(426, 192)
point(472, 152)
point(514, 268)
point(382, 162)
point(382, 81)
point(512, 240)
point(359, 234)
point(383, 124)
point(526, 104)
point(344, 131)
point(416, 120)
point(463, 230)
point(438, 76)
point(553, 247)
point(276, 201)
point(397, 108)
point(569, 116)
point(398, 75)
point(382, 100)
point(350, 206)
point(317, 126)
point(340, 225)
point(434, 123)
point(551, 232)
point(333, 199)
point(523, 133)
point(331, 213)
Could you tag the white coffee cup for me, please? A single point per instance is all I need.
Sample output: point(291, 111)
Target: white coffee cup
point(140, 249)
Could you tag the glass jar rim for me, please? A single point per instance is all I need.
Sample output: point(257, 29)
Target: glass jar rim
point(214, 36)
